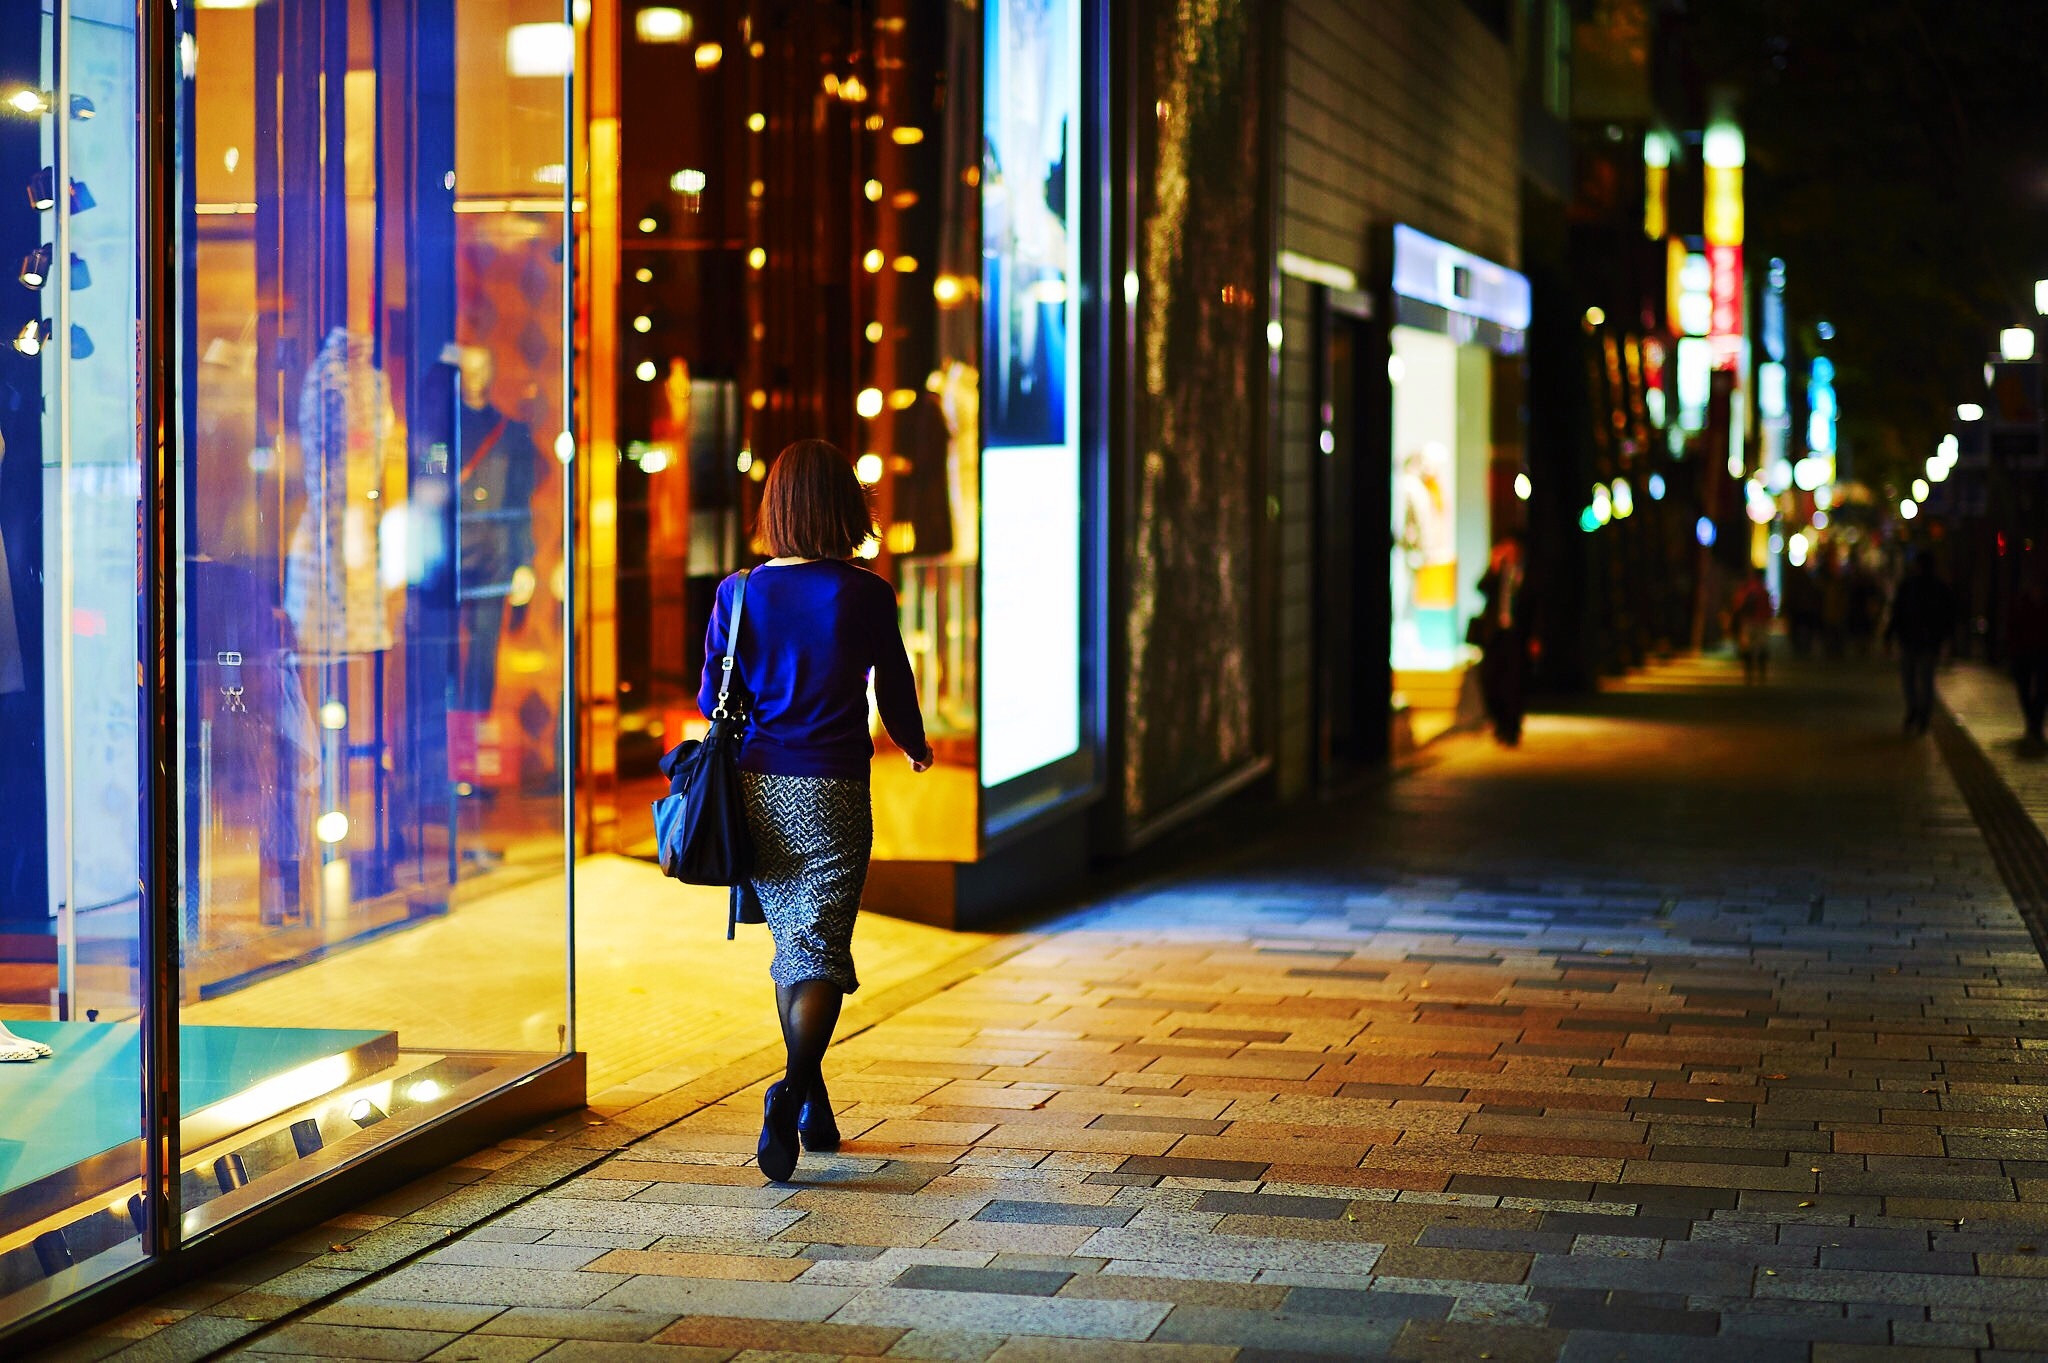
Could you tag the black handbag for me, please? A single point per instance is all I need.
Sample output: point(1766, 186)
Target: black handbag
point(700, 826)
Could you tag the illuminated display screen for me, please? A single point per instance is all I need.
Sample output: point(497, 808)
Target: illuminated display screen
point(1030, 466)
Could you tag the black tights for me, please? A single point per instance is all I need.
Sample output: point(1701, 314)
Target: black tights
point(810, 1010)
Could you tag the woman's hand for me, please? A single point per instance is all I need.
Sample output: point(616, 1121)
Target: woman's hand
point(921, 764)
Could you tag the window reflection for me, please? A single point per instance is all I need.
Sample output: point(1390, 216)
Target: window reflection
point(71, 946)
point(798, 256)
point(373, 922)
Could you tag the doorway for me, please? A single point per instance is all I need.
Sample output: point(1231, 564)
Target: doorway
point(1352, 680)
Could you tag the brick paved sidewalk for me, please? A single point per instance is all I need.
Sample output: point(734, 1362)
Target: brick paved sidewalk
point(1699, 1028)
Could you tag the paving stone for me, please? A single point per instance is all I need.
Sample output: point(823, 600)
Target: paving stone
point(350, 1341)
point(1334, 1301)
point(622, 1326)
point(822, 1337)
point(711, 1297)
point(1173, 1166)
point(1004, 1314)
point(1020, 1282)
point(491, 1349)
point(1588, 1346)
point(1335, 1336)
point(1056, 1213)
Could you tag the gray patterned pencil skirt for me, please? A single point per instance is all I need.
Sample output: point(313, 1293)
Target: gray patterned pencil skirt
point(812, 836)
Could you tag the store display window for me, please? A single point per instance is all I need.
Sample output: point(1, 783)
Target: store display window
point(339, 912)
point(1455, 315)
point(838, 221)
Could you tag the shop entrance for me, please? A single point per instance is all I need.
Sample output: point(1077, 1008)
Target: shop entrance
point(1352, 682)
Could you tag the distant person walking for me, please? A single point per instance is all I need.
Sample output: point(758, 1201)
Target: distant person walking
point(1750, 615)
point(1502, 633)
point(2026, 643)
point(1923, 620)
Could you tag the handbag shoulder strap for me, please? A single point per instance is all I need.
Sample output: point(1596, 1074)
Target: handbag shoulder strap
point(732, 643)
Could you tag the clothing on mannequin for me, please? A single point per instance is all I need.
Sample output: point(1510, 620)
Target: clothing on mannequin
point(500, 466)
point(346, 422)
point(959, 393)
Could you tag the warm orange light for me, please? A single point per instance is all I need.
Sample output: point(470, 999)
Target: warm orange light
point(906, 137)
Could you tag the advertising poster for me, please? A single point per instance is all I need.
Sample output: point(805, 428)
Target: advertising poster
point(1030, 466)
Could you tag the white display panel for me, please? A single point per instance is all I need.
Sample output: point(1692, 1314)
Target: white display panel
point(1031, 609)
point(1031, 513)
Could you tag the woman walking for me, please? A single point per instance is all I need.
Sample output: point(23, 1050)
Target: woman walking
point(813, 628)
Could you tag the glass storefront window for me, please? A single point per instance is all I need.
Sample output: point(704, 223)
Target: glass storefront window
point(72, 949)
point(832, 222)
point(372, 616)
point(363, 807)
point(797, 255)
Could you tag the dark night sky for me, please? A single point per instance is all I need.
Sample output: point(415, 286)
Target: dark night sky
point(1898, 161)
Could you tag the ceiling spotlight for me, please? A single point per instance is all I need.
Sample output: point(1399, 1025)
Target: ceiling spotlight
point(32, 337)
point(81, 344)
point(363, 1112)
point(81, 277)
point(30, 102)
point(81, 197)
point(35, 268)
point(42, 189)
point(81, 108)
point(661, 24)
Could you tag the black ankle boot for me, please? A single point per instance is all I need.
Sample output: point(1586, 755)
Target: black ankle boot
point(777, 1152)
point(820, 1129)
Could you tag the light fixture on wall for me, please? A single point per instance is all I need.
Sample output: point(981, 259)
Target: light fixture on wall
point(35, 268)
point(33, 103)
point(544, 49)
point(81, 344)
point(82, 108)
point(32, 337)
point(42, 189)
point(662, 24)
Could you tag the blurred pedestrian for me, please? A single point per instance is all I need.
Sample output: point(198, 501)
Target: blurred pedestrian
point(1802, 608)
point(2026, 643)
point(1502, 633)
point(1750, 615)
point(1923, 620)
point(1866, 605)
point(1834, 608)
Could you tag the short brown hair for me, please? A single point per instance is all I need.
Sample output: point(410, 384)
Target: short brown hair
point(813, 505)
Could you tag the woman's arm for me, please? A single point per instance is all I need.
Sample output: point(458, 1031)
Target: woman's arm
point(714, 649)
point(895, 688)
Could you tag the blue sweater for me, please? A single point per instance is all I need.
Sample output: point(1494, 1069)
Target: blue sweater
point(809, 636)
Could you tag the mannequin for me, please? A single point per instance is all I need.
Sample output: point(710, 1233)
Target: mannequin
point(20, 1048)
point(958, 387)
point(500, 466)
point(331, 586)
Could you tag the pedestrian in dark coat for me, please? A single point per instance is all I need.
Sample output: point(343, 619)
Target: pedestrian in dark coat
point(1923, 621)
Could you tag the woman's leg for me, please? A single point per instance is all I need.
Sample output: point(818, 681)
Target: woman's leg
point(810, 1011)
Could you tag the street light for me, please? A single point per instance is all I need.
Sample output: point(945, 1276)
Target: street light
point(2016, 343)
